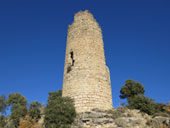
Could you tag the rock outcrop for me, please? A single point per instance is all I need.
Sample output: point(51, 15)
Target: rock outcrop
point(121, 118)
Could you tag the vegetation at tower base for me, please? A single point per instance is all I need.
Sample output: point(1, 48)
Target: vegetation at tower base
point(59, 112)
point(142, 103)
point(134, 92)
point(18, 107)
point(34, 110)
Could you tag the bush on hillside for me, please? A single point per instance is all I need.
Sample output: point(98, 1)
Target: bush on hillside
point(142, 103)
point(34, 110)
point(134, 92)
point(59, 112)
point(18, 107)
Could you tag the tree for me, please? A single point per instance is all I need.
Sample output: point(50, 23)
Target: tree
point(18, 107)
point(16, 98)
point(131, 89)
point(142, 103)
point(59, 112)
point(34, 110)
point(54, 95)
point(18, 112)
point(134, 92)
point(3, 104)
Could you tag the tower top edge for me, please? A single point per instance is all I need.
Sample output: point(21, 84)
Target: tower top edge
point(83, 15)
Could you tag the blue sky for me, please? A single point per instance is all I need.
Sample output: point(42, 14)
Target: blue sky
point(33, 41)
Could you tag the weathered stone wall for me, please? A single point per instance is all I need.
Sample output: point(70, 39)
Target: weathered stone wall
point(86, 76)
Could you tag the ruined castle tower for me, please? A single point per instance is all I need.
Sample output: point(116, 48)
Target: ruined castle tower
point(86, 76)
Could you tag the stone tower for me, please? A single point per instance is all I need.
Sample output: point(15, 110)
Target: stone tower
point(86, 76)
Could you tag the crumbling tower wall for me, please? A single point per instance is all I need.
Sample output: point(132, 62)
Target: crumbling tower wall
point(86, 76)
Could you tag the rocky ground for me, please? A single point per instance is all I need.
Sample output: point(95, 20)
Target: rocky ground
point(120, 118)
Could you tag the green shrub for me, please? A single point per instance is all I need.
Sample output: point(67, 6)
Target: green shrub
point(17, 112)
point(18, 107)
point(142, 103)
point(134, 92)
point(16, 98)
point(59, 112)
point(34, 110)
